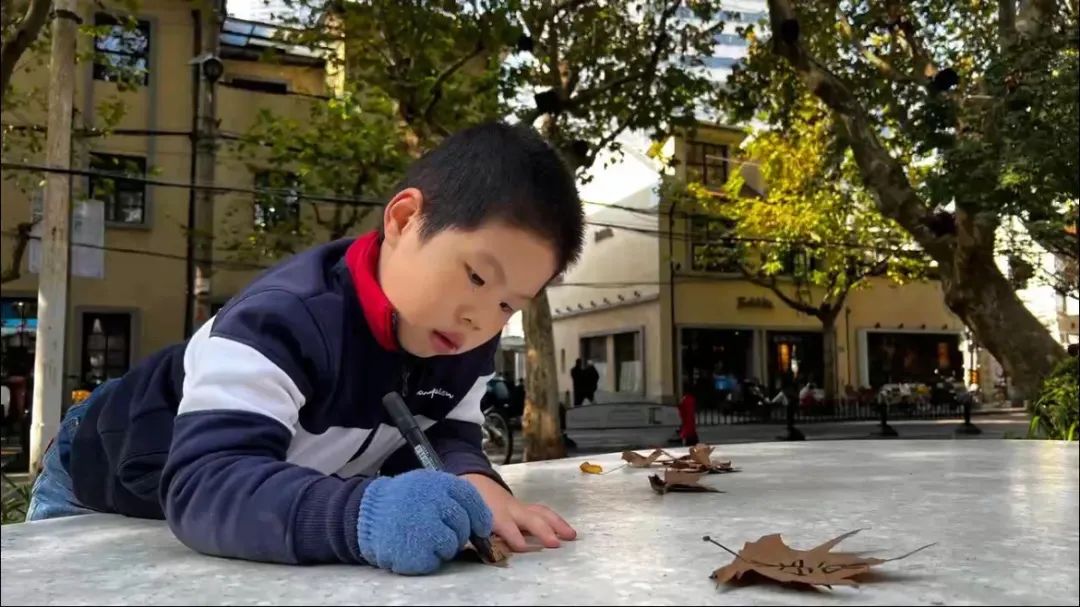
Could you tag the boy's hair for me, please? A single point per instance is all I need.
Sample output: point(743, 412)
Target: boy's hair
point(499, 172)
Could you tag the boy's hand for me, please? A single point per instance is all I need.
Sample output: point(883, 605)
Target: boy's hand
point(411, 523)
point(512, 516)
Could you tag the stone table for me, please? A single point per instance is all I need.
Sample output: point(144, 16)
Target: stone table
point(1004, 515)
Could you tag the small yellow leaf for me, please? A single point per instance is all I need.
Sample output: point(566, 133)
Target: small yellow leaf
point(588, 468)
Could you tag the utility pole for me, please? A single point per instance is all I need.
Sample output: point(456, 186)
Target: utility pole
point(49, 354)
point(202, 215)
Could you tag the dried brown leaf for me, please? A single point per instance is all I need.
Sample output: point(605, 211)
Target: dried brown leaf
point(675, 480)
point(500, 550)
point(700, 460)
point(636, 460)
point(772, 558)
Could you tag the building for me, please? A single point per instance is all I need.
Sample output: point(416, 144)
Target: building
point(129, 300)
point(652, 319)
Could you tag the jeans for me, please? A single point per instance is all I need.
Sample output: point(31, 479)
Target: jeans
point(53, 495)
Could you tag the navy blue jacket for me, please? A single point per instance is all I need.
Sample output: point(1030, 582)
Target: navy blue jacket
point(256, 438)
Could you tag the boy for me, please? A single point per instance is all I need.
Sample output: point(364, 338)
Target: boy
point(263, 436)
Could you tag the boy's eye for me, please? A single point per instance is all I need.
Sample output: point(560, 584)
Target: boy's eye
point(507, 308)
point(475, 278)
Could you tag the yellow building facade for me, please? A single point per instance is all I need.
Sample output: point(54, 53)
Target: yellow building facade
point(653, 320)
point(135, 304)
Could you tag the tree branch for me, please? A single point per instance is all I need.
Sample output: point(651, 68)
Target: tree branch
point(908, 29)
point(884, 175)
point(887, 69)
point(568, 5)
point(14, 270)
point(770, 283)
point(37, 13)
point(648, 70)
point(1006, 22)
point(436, 88)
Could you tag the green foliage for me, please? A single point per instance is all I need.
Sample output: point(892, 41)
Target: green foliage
point(815, 225)
point(351, 146)
point(1057, 410)
point(597, 70)
point(23, 125)
point(14, 505)
point(984, 115)
point(408, 74)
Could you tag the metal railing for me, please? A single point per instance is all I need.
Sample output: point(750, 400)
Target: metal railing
point(835, 411)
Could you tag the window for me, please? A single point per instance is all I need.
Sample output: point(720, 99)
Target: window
point(628, 364)
point(280, 204)
point(712, 249)
point(714, 362)
point(594, 350)
point(125, 199)
point(799, 262)
point(262, 86)
point(912, 357)
point(122, 50)
point(707, 163)
point(106, 346)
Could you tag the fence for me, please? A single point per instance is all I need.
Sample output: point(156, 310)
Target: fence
point(837, 411)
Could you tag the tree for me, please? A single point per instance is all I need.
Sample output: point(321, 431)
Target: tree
point(814, 236)
point(20, 34)
point(408, 74)
point(957, 117)
point(25, 46)
point(349, 148)
point(596, 71)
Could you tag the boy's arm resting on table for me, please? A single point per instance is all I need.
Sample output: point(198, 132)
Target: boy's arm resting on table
point(227, 489)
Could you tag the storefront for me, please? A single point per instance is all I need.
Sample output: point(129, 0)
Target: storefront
point(18, 336)
point(714, 362)
point(794, 355)
point(892, 357)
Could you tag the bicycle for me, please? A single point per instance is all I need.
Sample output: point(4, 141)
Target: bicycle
point(498, 438)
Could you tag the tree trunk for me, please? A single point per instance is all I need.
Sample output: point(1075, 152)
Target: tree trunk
point(18, 252)
point(831, 382)
point(543, 436)
point(977, 292)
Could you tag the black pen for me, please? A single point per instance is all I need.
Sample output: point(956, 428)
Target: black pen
point(406, 424)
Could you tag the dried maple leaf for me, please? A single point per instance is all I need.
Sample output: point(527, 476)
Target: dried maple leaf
point(702, 454)
point(675, 480)
point(772, 558)
point(636, 460)
point(700, 460)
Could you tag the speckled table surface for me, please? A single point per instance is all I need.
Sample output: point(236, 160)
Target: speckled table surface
point(1004, 515)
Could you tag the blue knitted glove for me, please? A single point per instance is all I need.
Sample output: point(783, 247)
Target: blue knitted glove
point(411, 523)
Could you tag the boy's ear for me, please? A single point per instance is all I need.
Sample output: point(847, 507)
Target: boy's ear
point(402, 213)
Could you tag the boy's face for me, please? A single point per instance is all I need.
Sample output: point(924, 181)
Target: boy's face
point(455, 291)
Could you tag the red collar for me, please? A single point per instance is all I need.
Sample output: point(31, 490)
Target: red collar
point(362, 259)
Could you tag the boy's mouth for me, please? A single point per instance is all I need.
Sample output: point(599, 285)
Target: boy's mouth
point(446, 343)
